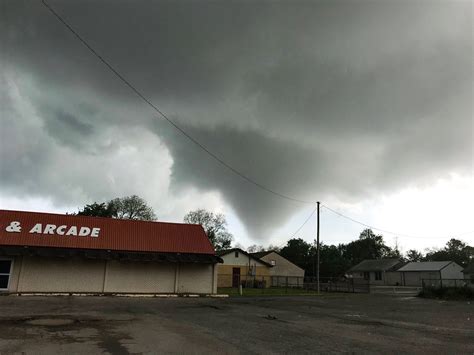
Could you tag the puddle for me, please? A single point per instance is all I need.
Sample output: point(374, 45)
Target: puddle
point(50, 322)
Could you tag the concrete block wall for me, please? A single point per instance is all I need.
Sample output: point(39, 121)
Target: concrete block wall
point(34, 274)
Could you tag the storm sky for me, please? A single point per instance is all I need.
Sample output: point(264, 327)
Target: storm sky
point(363, 105)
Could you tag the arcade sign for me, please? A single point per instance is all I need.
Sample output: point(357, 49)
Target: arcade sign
point(52, 229)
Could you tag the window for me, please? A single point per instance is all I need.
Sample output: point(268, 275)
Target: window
point(378, 275)
point(236, 254)
point(5, 270)
point(273, 262)
point(366, 275)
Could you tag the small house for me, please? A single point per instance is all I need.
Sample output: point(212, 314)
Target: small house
point(242, 268)
point(376, 272)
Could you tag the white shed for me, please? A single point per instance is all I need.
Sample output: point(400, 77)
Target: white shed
point(437, 273)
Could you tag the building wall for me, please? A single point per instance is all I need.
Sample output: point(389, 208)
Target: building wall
point(452, 271)
point(282, 266)
point(34, 274)
point(390, 278)
point(250, 269)
point(393, 278)
point(224, 277)
point(414, 278)
point(194, 278)
point(139, 277)
point(60, 275)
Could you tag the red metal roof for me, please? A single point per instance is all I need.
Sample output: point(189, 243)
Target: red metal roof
point(112, 234)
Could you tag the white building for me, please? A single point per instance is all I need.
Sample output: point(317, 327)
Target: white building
point(435, 273)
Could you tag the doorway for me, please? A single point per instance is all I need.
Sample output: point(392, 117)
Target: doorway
point(235, 276)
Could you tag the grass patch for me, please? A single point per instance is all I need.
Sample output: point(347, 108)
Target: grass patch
point(448, 293)
point(271, 291)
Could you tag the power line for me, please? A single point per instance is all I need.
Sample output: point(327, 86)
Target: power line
point(299, 228)
point(387, 231)
point(162, 114)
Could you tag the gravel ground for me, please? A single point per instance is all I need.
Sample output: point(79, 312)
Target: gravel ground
point(359, 323)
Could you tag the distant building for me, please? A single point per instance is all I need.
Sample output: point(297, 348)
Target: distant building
point(242, 268)
point(283, 271)
point(377, 272)
point(436, 273)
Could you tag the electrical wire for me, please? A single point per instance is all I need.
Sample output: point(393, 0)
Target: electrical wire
point(299, 228)
point(387, 231)
point(163, 115)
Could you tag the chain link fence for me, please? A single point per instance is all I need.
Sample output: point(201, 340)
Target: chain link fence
point(266, 284)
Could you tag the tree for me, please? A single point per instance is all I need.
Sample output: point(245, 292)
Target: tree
point(368, 246)
point(455, 250)
point(130, 207)
point(414, 255)
point(298, 252)
point(215, 226)
point(96, 210)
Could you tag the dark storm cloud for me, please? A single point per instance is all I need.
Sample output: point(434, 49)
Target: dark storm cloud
point(315, 100)
point(67, 129)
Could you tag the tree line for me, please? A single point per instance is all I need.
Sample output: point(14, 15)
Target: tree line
point(335, 260)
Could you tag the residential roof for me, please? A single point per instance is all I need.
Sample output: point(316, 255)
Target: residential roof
point(425, 266)
point(376, 265)
point(228, 251)
point(469, 269)
point(112, 234)
point(261, 254)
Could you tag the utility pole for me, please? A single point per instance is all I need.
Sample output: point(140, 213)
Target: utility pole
point(317, 245)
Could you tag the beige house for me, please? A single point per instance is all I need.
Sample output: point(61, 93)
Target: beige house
point(242, 268)
point(283, 271)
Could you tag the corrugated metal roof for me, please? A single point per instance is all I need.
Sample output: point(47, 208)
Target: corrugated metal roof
point(375, 265)
point(425, 266)
point(114, 234)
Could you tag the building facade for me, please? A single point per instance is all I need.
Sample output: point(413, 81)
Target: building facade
point(377, 272)
point(434, 273)
point(242, 268)
point(283, 271)
point(51, 253)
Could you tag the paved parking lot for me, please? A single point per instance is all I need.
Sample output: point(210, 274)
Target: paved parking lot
point(305, 324)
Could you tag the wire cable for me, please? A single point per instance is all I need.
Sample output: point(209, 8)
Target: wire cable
point(299, 228)
point(387, 231)
point(162, 114)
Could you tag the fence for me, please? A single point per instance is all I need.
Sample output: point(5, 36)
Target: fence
point(290, 284)
point(445, 283)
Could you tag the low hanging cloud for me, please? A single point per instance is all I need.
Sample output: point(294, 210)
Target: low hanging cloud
point(338, 100)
